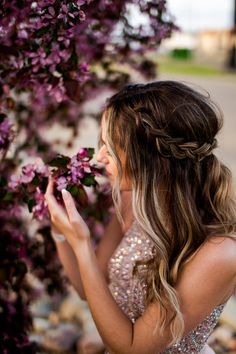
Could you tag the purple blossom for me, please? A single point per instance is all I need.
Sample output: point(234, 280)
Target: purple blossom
point(58, 91)
point(79, 36)
point(41, 168)
point(83, 153)
point(38, 59)
point(23, 34)
point(14, 182)
point(81, 2)
point(40, 210)
point(62, 183)
point(78, 166)
point(87, 168)
point(28, 173)
point(82, 16)
point(11, 211)
point(84, 67)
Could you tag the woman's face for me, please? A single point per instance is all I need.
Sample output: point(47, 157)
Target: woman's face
point(106, 159)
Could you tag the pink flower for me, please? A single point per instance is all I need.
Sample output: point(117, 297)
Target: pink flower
point(57, 91)
point(62, 183)
point(82, 154)
point(28, 173)
point(40, 210)
point(23, 34)
point(14, 181)
point(42, 169)
point(82, 16)
point(80, 2)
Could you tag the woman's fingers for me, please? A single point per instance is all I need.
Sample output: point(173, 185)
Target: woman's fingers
point(73, 214)
point(49, 189)
point(75, 218)
point(68, 218)
point(55, 210)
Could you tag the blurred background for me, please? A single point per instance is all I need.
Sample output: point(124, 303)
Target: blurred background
point(201, 53)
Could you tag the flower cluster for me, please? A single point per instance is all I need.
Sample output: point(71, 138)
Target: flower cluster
point(54, 56)
point(44, 33)
point(47, 45)
point(15, 322)
point(28, 188)
point(15, 318)
point(76, 174)
point(93, 199)
point(56, 53)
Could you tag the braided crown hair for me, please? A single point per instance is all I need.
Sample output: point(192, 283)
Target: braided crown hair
point(167, 145)
point(181, 192)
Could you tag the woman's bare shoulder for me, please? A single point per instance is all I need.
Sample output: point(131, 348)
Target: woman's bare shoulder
point(216, 256)
point(211, 271)
point(222, 248)
point(217, 249)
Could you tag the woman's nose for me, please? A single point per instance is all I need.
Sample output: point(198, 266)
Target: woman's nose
point(101, 157)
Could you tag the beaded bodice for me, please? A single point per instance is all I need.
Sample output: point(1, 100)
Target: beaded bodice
point(129, 291)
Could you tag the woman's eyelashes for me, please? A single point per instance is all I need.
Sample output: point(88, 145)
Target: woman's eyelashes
point(106, 150)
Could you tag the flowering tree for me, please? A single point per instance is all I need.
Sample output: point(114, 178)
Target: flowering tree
point(54, 56)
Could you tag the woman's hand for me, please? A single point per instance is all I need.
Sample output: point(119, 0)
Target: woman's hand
point(66, 220)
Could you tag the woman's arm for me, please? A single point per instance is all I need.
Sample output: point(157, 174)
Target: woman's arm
point(70, 265)
point(109, 241)
point(112, 236)
point(204, 283)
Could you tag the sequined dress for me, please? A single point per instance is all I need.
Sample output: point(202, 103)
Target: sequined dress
point(129, 291)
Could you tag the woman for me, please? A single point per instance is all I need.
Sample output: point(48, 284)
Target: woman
point(161, 287)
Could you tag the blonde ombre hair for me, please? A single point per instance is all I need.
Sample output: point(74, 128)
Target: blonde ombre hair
point(181, 191)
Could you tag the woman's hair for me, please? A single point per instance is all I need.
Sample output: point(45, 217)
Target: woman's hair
point(181, 192)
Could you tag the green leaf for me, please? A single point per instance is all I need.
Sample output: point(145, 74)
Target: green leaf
point(82, 196)
point(88, 180)
point(90, 152)
point(36, 181)
point(8, 197)
point(3, 181)
point(74, 190)
point(31, 203)
point(79, 194)
point(59, 161)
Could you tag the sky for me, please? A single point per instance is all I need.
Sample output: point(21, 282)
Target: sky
point(194, 15)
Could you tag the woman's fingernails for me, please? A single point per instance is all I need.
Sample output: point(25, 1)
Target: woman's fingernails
point(64, 192)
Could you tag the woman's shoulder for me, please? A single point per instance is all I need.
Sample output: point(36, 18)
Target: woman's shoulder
point(213, 268)
point(220, 249)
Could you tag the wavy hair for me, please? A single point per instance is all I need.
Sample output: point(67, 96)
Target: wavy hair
point(181, 192)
